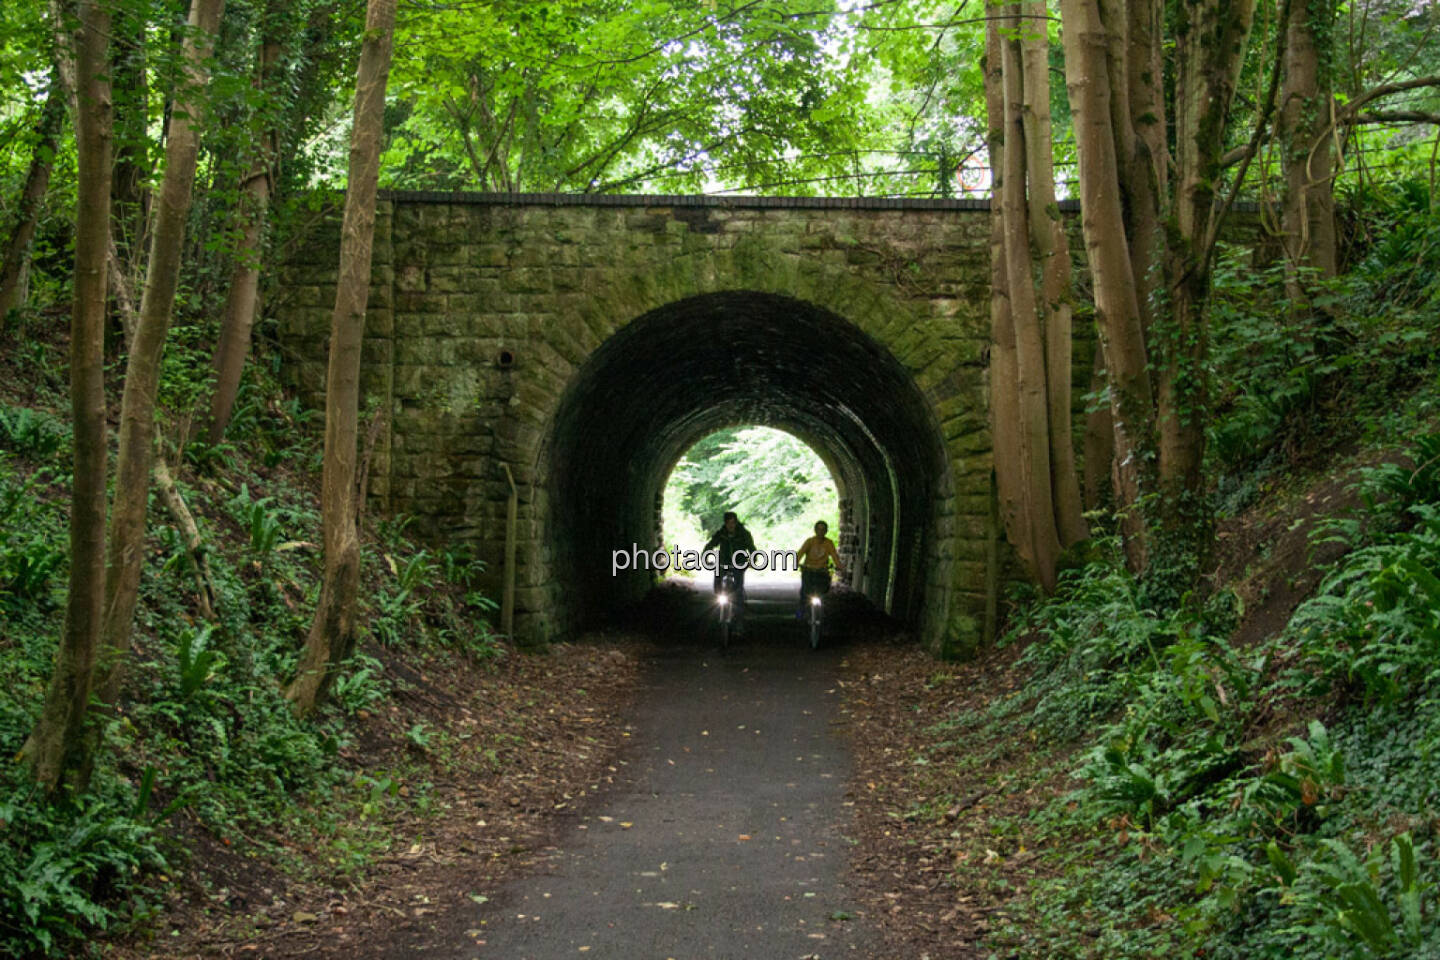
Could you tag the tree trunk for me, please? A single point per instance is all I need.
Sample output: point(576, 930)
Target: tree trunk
point(1099, 443)
point(1136, 107)
point(1307, 215)
point(332, 634)
point(1144, 166)
point(132, 133)
point(1117, 308)
point(125, 553)
point(242, 300)
point(1015, 520)
point(1209, 53)
point(1030, 368)
point(1052, 249)
point(207, 598)
point(65, 53)
point(56, 749)
point(15, 267)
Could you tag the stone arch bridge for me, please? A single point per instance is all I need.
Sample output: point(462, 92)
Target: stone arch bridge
point(587, 342)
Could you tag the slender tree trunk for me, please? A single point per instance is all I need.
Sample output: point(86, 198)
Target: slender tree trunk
point(1053, 251)
point(15, 267)
point(1209, 53)
point(1136, 110)
point(123, 294)
point(1015, 519)
point(207, 597)
point(64, 42)
point(56, 749)
point(1137, 118)
point(1117, 307)
point(1030, 368)
point(242, 300)
point(1144, 166)
point(1099, 443)
point(332, 634)
point(1307, 215)
point(125, 553)
point(1136, 106)
point(132, 133)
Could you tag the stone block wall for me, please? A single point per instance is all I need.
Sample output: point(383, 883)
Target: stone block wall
point(485, 309)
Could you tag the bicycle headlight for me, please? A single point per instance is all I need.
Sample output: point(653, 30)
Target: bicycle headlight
point(722, 599)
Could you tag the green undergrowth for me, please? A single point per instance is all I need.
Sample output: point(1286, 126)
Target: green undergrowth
point(1294, 379)
point(1275, 801)
point(204, 752)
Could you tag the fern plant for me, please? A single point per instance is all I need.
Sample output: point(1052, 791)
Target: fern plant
point(1354, 906)
point(31, 432)
point(196, 662)
point(1375, 623)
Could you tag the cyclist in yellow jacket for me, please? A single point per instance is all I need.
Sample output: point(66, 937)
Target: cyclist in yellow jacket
point(816, 555)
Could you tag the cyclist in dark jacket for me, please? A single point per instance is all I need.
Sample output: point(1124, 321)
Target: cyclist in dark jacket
point(734, 544)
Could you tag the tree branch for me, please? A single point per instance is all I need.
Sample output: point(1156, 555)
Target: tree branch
point(1393, 116)
point(1232, 157)
point(1386, 89)
point(1351, 115)
point(1252, 148)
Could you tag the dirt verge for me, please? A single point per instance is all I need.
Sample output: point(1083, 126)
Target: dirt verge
point(527, 738)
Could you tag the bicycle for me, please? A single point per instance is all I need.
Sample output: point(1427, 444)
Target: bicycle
point(727, 595)
point(817, 607)
point(814, 585)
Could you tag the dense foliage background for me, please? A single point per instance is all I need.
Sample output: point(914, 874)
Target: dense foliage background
point(777, 486)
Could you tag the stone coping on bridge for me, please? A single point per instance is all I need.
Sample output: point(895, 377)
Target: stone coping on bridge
point(728, 202)
point(736, 201)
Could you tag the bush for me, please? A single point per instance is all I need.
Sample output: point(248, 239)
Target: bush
point(69, 870)
point(33, 433)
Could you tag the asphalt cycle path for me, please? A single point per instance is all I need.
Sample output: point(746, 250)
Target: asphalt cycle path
point(723, 835)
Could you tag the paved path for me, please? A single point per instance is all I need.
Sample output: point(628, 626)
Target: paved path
point(723, 835)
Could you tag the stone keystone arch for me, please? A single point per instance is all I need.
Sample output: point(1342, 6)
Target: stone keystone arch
point(588, 341)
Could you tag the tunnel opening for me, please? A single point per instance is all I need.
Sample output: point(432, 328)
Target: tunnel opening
point(776, 483)
point(686, 370)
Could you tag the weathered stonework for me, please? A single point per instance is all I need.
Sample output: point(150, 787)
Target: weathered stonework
point(587, 342)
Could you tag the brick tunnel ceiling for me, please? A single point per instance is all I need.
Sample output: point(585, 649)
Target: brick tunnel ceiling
point(683, 371)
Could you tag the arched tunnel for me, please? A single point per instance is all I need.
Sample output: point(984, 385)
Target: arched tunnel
point(692, 367)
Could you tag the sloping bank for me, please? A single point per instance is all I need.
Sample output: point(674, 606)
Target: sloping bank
point(1253, 778)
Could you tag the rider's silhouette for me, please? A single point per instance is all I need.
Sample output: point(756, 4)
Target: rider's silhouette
point(734, 544)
